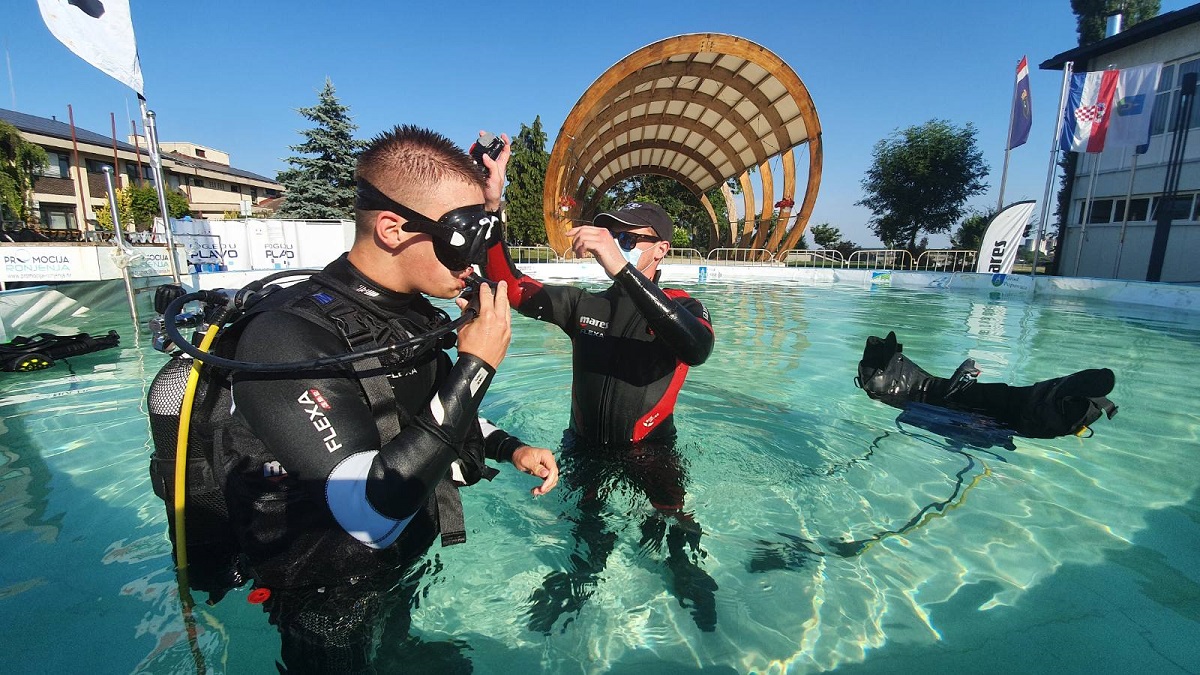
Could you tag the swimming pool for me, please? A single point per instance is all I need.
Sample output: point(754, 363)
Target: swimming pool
point(839, 537)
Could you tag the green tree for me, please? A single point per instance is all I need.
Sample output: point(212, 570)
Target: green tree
point(825, 235)
point(830, 237)
point(21, 162)
point(1091, 16)
point(320, 182)
point(526, 182)
point(969, 235)
point(138, 206)
point(921, 179)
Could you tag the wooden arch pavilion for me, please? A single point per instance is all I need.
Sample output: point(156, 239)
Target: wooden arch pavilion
point(701, 109)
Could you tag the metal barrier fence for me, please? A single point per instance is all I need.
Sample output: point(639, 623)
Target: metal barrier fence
point(683, 256)
point(933, 260)
point(881, 259)
point(741, 256)
point(949, 260)
point(817, 257)
point(532, 254)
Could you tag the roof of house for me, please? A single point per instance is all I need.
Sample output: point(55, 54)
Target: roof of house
point(56, 129)
point(195, 163)
point(1145, 30)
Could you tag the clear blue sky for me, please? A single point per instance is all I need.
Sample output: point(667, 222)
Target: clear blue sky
point(230, 75)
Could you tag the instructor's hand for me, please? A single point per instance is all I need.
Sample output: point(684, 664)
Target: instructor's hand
point(493, 190)
point(537, 462)
point(487, 337)
point(598, 242)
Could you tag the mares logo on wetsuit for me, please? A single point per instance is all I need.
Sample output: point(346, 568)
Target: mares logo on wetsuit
point(320, 422)
point(591, 326)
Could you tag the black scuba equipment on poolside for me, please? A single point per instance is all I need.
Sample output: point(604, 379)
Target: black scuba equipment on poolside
point(1046, 409)
point(25, 354)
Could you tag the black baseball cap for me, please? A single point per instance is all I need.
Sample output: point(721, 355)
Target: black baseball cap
point(639, 214)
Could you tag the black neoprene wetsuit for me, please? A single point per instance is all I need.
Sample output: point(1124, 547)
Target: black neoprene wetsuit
point(633, 344)
point(317, 497)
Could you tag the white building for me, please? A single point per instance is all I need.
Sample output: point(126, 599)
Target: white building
point(1113, 238)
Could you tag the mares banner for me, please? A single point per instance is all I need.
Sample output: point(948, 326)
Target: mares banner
point(1003, 237)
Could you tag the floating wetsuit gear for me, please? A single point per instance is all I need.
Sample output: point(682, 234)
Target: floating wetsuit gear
point(633, 344)
point(24, 354)
point(1047, 409)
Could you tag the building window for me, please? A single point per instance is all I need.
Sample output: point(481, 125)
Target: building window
point(233, 187)
point(197, 182)
point(97, 166)
point(57, 166)
point(1138, 208)
point(1101, 211)
point(58, 217)
point(1181, 207)
point(131, 171)
point(253, 195)
point(1166, 102)
point(199, 152)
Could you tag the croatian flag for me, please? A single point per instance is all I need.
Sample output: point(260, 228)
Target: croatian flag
point(1109, 108)
point(99, 32)
point(1022, 108)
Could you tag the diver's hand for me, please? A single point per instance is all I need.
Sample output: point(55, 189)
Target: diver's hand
point(538, 462)
point(487, 337)
point(599, 243)
point(493, 190)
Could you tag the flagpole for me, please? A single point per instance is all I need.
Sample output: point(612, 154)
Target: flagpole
point(1012, 114)
point(1068, 67)
point(1125, 216)
point(156, 166)
point(1087, 213)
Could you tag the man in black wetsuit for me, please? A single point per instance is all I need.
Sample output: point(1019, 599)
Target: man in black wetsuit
point(337, 496)
point(632, 347)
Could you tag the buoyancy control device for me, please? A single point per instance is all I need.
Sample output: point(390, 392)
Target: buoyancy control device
point(189, 404)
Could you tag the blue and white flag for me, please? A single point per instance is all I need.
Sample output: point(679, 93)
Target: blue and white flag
point(99, 32)
point(1022, 108)
point(1109, 108)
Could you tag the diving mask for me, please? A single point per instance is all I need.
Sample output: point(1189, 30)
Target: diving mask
point(461, 237)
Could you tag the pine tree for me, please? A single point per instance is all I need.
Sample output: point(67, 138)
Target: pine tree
point(526, 182)
point(320, 183)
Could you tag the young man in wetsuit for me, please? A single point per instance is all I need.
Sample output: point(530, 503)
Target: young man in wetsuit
point(336, 496)
point(632, 345)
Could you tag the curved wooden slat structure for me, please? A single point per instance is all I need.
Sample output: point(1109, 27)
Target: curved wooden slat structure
point(701, 109)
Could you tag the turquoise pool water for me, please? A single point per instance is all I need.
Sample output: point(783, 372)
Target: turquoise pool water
point(840, 538)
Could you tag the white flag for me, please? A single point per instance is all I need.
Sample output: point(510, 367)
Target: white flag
point(98, 31)
point(1002, 238)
